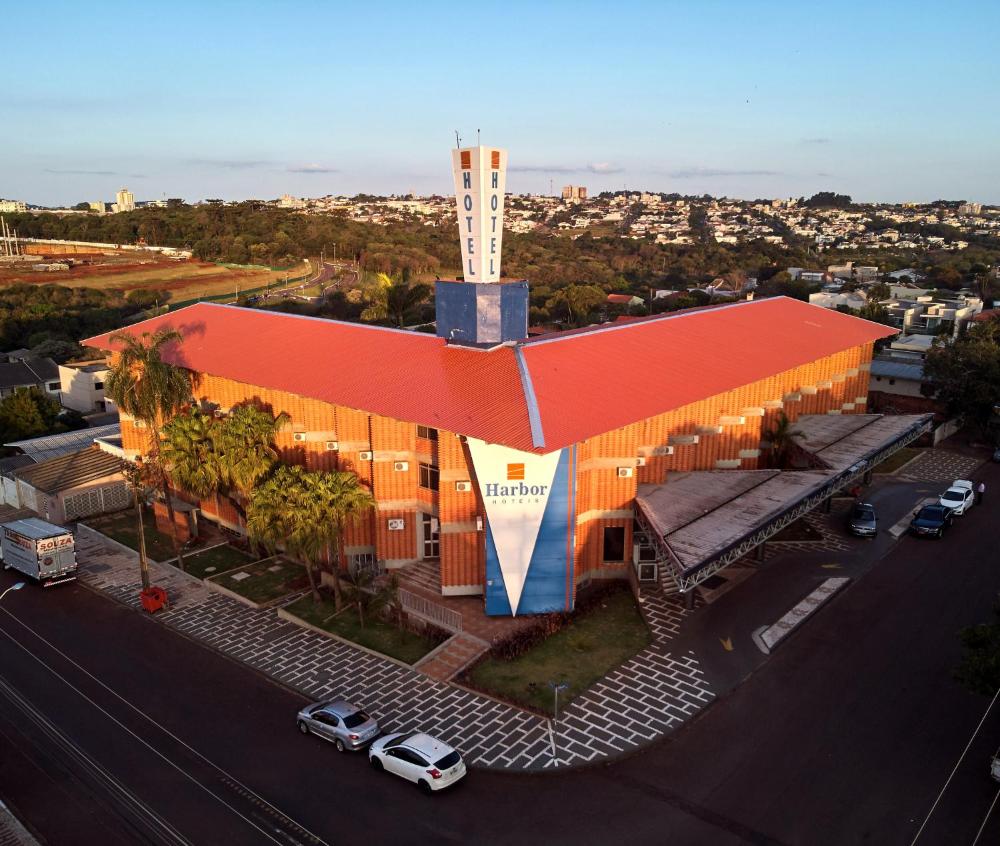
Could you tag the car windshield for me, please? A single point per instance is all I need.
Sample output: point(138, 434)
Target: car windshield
point(448, 760)
point(952, 496)
point(355, 719)
point(929, 513)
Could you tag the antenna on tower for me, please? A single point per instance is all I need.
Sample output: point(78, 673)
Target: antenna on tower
point(458, 140)
point(478, 144)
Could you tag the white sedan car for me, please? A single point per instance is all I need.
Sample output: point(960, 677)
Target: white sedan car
point(960, 497)
point(427, 762)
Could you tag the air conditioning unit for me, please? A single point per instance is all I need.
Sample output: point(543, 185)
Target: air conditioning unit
point(299, 436)
point(332, 446)
point(397, 524)
point(640, 461)
point(463, 487)
point(479, 524)
point(365, 455)
point(647, 572)
point(401, 466)
point(625, 472)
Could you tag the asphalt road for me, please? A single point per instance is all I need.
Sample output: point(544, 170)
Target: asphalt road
point(114, 729)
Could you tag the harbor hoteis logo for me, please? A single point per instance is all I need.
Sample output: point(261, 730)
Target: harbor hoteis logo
point(516, 487)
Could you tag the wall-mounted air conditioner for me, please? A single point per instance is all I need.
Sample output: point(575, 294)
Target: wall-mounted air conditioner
point(332, 446)
point(401, 466)
point(479, 524)
point(625, 472)
point(640, 461)
point(299, 436)
point(463, 487)
point(397, 524)
point(365, 455)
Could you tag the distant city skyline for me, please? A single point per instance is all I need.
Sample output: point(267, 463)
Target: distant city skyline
point(891, 102)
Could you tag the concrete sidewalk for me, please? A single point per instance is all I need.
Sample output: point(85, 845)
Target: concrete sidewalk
point(639, 702)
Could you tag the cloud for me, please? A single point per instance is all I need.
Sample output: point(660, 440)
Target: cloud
point(708, 172)
point(311, 168)
point(815, 141)
point(93, 173)
point(595, 167)
point(229, 164)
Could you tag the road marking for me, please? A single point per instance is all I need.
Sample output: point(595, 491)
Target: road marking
point(958, 763)
point(986, 818)
point(727, 643)
point(831, 566)
point(310, 836)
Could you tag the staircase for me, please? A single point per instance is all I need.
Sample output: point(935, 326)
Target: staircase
point(452, 656)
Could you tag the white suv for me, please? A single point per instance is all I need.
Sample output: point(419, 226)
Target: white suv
point(427, 762)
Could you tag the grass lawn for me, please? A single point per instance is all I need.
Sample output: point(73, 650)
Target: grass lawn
point(376, 635)
point(897, 460)
point(122, 527)
point(580, 654)
point(215, 560)
point(262, 583)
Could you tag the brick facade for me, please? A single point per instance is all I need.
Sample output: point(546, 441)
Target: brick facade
point(720, 432)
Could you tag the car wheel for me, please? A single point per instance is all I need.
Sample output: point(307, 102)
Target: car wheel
point(303, 727)
point(425, 788)
point(376, 764)
point(339, 744)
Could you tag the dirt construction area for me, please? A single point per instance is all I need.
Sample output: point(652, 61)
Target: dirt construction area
point(183, 280)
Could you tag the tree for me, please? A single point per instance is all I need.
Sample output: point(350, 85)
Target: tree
point(206, 455)
point(28, 413)
point(576, 302)
point(150, 390)
point(780, 439)
point(306, 512)
point(375, 293)
point(368, 594)
point(966, 373)
point(402, 299)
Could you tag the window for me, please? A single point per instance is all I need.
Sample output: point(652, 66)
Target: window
point(428, 477)
point(431, 537)
point(427, 432)
point(614, 543)
point(98, 386)
point(53, 386)
point(356, 719)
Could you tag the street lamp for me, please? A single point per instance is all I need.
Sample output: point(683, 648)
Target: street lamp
point(556, 688)
point(15, 586)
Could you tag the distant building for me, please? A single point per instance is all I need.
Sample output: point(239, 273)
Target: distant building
point(81, 386)
point(98, 206)
point(124, 201)
point(12, 206)
point(29, 372)
point(835, 299)
point(574, 192)
point(970, 208)
point(287, 201)
point(926, 315)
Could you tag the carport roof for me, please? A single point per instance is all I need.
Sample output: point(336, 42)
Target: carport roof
point(700, 517)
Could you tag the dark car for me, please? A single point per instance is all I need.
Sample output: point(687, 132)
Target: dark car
point(931, 521)
point(862, 520)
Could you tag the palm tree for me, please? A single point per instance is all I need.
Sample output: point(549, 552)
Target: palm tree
point(376, 294)
point(305, 512)
point(244, 444)
point(401, 299)
point(189, 452)
point(150, 390)
point(781, 438)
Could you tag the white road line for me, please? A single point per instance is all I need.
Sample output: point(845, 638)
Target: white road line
point(150, 720)
point(955, 769)
point(986, 818)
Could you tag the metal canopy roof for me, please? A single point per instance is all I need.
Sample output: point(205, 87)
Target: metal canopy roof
point(52, 446)
point(701, 522)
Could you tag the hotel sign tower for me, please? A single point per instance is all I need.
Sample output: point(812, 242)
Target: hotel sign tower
point(480, 309)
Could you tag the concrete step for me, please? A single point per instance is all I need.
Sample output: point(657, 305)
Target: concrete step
point(453, 656)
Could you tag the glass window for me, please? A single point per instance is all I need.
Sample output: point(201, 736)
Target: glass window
point(448, 760)
point(53, 386)
point(98, 386)
point(427, 432)
point(614, 543)
point(429, 477)
point(355, 719)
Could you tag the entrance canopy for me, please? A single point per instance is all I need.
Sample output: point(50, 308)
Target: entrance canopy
point(698, 523)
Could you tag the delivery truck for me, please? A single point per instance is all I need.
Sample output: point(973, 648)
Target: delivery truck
point(43, 551)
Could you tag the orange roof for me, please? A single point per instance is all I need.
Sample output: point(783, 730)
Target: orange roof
point(538, 395)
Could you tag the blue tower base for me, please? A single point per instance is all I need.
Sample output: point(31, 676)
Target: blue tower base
point(481, 314)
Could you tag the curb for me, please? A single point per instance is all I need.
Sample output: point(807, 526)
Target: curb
point(768, 638)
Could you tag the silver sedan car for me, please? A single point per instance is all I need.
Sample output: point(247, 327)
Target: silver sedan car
point(343, 723)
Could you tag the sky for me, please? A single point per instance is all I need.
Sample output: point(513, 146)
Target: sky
point(885, 101)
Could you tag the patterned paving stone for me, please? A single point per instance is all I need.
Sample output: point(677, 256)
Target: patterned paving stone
point(649, 695)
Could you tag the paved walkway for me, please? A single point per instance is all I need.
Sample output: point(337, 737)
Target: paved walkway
point(12, 833)
point(634, 705)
